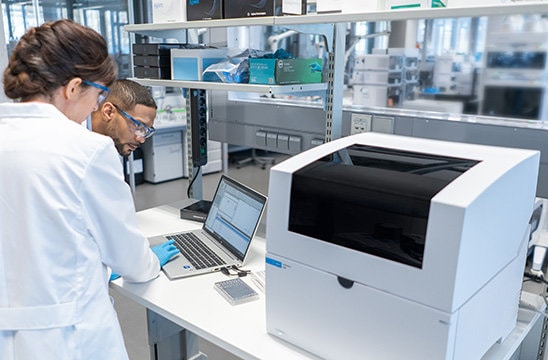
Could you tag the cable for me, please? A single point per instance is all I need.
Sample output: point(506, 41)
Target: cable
point(531, 307)
point(238, 273)
point(536, 278)
point(192, 182)
point(543, 295)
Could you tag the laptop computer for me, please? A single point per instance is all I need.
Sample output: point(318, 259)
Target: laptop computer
point(225, 236)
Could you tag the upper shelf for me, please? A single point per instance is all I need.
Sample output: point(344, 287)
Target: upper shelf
point(164, 29)
point(532, 7)
point(254, 88)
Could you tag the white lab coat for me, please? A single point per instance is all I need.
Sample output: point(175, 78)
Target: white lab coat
point(66, 214)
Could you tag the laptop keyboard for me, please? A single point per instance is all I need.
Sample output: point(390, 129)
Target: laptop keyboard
point(199, 255)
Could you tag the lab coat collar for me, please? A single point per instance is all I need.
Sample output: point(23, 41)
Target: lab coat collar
point(32, 109)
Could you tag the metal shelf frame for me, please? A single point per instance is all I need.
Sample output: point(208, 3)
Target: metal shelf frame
point(328, 25)
point(529, 7)
point(332, 27)
point(330, 91)
point(254, 88)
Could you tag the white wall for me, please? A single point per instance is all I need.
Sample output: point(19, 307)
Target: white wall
point(3, 56)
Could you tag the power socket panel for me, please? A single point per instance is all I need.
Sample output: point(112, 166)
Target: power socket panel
point(360, 123)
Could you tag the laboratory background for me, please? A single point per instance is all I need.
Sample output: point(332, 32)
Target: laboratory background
point(278, 95)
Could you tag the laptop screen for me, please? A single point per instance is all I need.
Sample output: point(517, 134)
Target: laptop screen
point(234, 215)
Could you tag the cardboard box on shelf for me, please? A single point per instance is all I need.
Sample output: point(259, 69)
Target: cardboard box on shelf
point(247, 8)
point(348, 6)
point(412, 4)
point(151, 60)
point(204, 9)
point(161, 49)
point(150, 72)
point(285, 71)
point(329, 6)
point(168, 11)
point(294, 7)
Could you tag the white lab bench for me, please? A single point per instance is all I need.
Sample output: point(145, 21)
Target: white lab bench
point(181, 310)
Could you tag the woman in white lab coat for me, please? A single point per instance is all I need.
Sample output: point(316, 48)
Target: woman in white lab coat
point(66, 214)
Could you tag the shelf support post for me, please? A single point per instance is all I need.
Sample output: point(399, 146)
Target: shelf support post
point(335, 84)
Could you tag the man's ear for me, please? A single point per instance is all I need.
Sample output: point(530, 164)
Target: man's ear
point(108, 111)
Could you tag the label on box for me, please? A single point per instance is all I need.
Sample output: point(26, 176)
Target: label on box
point(294, 7)
point(329, 6)
point(168, 11)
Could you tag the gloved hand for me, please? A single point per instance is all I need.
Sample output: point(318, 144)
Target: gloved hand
point(165, 251)
point(114, 276)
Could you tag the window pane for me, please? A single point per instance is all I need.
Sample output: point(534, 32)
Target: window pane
point(107, 18)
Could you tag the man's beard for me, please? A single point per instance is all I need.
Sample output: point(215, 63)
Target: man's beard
point(120, 147)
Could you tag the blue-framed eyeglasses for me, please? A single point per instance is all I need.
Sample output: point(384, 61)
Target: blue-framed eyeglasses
point(104, 91)
point(140, 129)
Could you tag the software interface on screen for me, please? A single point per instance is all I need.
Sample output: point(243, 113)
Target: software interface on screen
point(234, 215)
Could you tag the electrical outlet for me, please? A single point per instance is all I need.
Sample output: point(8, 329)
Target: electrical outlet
point(360, 123)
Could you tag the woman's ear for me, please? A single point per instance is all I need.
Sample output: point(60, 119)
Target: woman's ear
point(72, 88)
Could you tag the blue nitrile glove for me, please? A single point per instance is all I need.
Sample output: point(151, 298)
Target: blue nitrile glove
point(315, 67)
point(165, 251)
point(113, 276)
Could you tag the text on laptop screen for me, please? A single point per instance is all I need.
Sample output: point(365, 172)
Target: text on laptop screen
point(234, 215)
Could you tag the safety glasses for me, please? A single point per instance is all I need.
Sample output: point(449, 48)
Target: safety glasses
point(104, 91)
point(140, 129)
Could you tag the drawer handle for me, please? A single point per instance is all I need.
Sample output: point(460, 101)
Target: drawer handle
point(345, 283)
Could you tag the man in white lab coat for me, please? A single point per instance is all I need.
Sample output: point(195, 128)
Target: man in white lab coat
point(66, 214)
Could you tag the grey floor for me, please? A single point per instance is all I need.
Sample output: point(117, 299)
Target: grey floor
point(132, 316)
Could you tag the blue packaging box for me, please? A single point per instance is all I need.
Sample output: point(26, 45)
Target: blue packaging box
point(189, 64)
